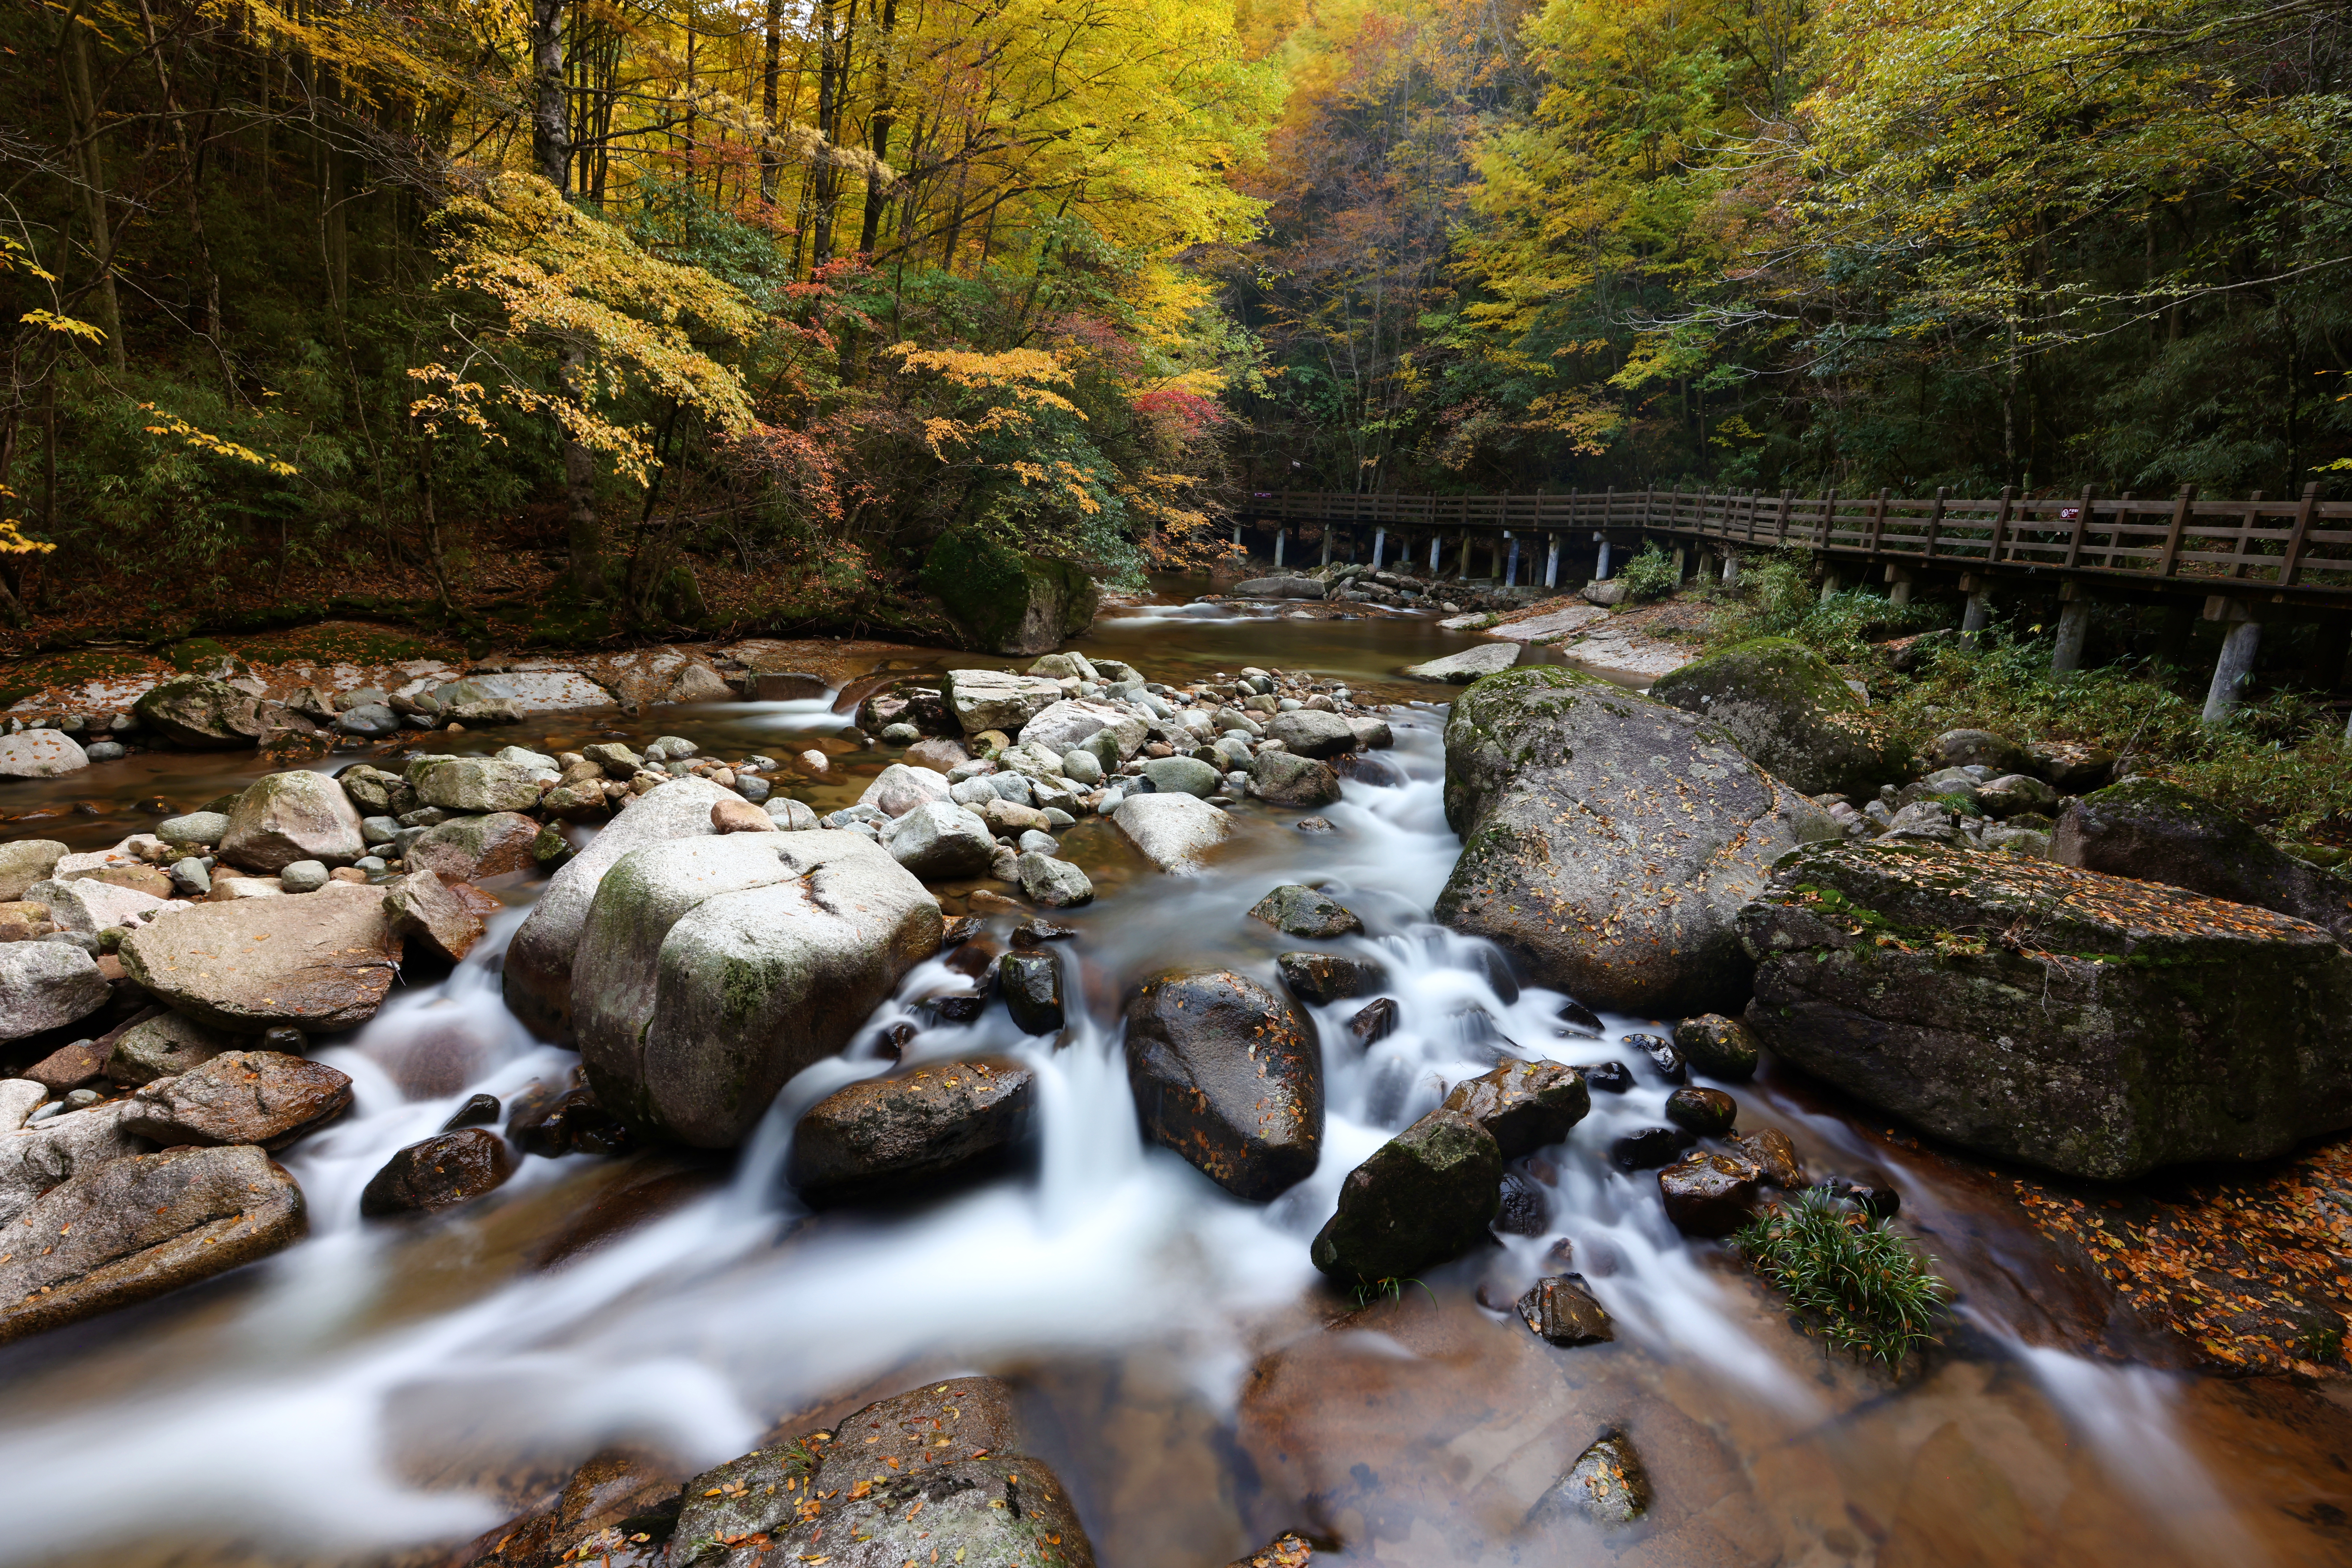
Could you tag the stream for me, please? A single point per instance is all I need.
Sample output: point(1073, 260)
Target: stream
point(383, 1390)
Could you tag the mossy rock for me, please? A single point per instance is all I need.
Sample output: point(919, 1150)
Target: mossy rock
point(2093, 1025)
point(1003, 601)
point(1791, 713)
point(2147, 828)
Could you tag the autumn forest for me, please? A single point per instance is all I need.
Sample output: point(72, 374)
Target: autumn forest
point(648, 314)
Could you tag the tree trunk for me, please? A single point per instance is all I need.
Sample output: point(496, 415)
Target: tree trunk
point(826, 187)
point(550, 126)
point(550, 146)
point(877, 128)
point(84, 104)
point(771, 68)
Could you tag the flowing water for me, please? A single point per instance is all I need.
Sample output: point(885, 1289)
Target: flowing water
point(383, 1389)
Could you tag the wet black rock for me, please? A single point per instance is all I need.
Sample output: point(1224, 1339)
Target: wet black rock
point(1774, 1156)
point(439, 1173)
point(478, 1110)
point(960, 930)
point(1319, 977)
point(892, 1042)
point(1225, 1073)
point(1035, 932)
point(944, 1124)
point(1560, 1309)
point(1428, 1194)
point(1647, 1148)
point(1032, 983)
point(571, 1122)
point(1607, 1077)
point(1579, 1020)
point(1523, 1210)
point(1710, 1113)
point(1526, 1105)
point(1662, 1055)
point(1879, 1202)
point(1606, 1485)
point(1374, 1023)
point(1717, 1046)
point(1708, 1194)
point(1296, 911)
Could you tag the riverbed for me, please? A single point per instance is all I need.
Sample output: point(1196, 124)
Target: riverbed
point(384, 1392)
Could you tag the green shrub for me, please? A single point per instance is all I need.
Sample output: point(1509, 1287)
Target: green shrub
point(1848, 1278)
point(1778, 600)
point(1650, 575)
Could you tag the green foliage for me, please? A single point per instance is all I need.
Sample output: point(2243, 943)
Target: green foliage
point(1780, 602)
point(1848, 1278)
point(1650, 575)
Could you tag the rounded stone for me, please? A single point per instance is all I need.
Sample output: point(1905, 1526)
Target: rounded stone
point(1710, 1113)
point(1717, 1046)
point(303, 876)
point(441, 1172)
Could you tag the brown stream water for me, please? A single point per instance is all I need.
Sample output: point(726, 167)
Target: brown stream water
point(384, 1392)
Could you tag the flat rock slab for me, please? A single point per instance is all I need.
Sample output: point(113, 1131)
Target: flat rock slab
point(993, 699)
point(1461, 669)
point(134, 1228)
point(38, 1158)
point(2093, 1025)
point(1549, 626)
point(1223, 1074)
point(1627, 652)
point(1174, 831)
point(262, 1097)
point(320, 962)
point(939, 1125)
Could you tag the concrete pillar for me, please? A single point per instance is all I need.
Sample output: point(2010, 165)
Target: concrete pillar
point(1978, 612)
point(1830, 583)
point(1237, 535)
point(1379, 546)
point(1279, 534)
point(2233, 670)
point(1326, 544)
point(1682, 558)
point(1434, 542)
point(1600, 571)
point(1551, 563)
point(1511, 569)
point(2073, 626)
point(1730, 568)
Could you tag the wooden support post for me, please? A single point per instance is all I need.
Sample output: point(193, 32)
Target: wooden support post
point(2300, 537)
point(1600, 568)
point(1829, 583)
point(1936, 518)
point(1781, 527)
point(1730, 568)
point(2082, 521)
point(1877, 520)
point(2180, 510)
point(2001, 523)
point(1829, 518)
point(1436, 543)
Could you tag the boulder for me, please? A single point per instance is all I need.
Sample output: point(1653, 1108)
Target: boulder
point(1296, 911)
point(1773, 1156)
point(1003, 601)
point(196, 830)
point(1307, 733)
point(789, 815)
point(717, 969)
point(1524, 1106)
point(1973, 747)
point(899, 789)
point(1710, 1113)
point(938, 754)
point(86, 904)
point(469, 849)
point(441, 1172)
point(2095, 1026)
point(1372, 734)
point(1224, 1074)
point(1717, 1046)
point(1426, 1196)
point(262, 1097)
point(1560, 1309)
point(1320, 977)
point(1056, 884)
point(70, 1066)
point(131, 1228)
point(476, 784)
point(320, 962)
point(1278, 588)
point(1609, 842)
point(2154, 831)
point(199, 713)
point(161, 1046)
point(1708, 1194)
point(1065, 725)
point(940, 841)
point(1468, 665)
point(1030, 984)
point(40, 754)
point(40, 1156)
point(1286, 779)
point(2070, 767)
point(1791, 714)
point(2014, 794)
point(1172, 830)
point(1183, 776)
point(536, 976)
point(943, 1124)
point(25, 861)
point(374, 792)
point(293, 816)
point(421, 906)
point(983, 700)
point(45, 986)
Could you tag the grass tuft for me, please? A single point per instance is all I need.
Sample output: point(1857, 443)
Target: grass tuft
point(1848, 1278)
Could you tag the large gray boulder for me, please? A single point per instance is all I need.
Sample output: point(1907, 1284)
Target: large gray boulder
point(86, 904)
point(940, 841)
point(713, 969)
point(476, 784)
point(996, 699)
point(323, 961)
point(1792, 714)
point(899, 789)
point(2091, 1025)
point(1278, 588)
point(1308, 732)
point(1064, 725)
point(298, 815)
point(199, 713)
point(537, 977)
point(39, 1158)
point(1609, 841)
point(23, 861)
point(40, 754)
point(468, 848)
point(130, 1229)
point(2154, 831)
point(1172, 830)
point(45, 986)
point(1470, 665)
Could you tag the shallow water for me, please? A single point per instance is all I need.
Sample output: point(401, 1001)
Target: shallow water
point(382, 1388)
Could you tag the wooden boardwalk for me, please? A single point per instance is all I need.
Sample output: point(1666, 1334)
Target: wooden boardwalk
point(2294, 551)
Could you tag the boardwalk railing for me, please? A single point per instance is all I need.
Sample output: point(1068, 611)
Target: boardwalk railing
point(2299, 545)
